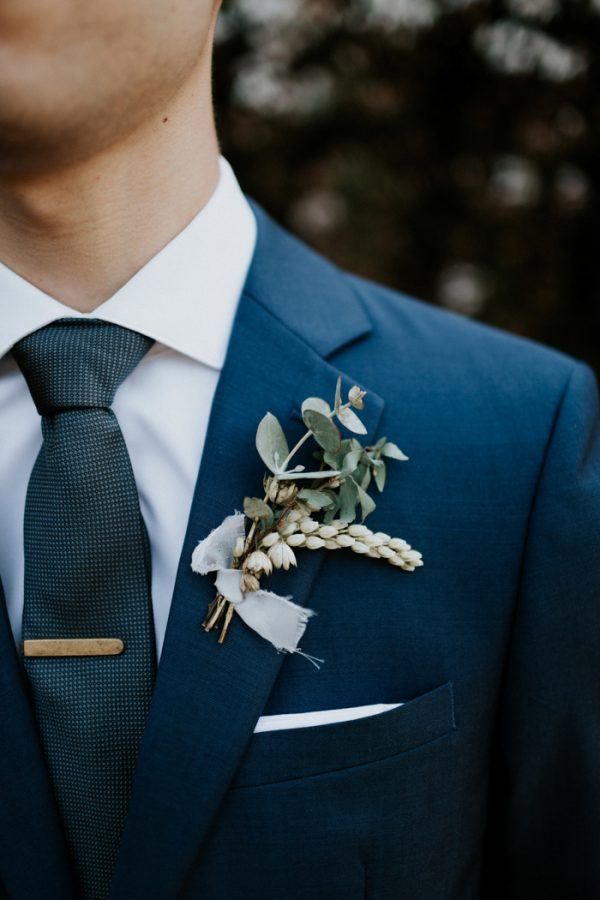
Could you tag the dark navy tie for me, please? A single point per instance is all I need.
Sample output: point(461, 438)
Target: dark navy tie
point(87, 575)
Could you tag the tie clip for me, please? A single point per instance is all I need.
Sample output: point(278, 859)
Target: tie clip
point(73, 647)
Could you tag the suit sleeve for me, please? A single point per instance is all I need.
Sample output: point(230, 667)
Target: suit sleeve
point(544, 836)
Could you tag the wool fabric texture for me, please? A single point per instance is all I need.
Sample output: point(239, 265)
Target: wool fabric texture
point(87, 574)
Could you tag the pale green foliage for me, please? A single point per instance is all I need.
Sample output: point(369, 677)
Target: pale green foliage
point(339, 488)
point(324, 431)
point(271, 443)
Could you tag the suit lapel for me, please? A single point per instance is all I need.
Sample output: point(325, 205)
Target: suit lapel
point(33, 853)
point(208, 697)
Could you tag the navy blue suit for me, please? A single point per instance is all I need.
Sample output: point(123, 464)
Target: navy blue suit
point(486, 782)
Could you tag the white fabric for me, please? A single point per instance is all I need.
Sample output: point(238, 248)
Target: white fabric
point(185, 298)
point(321, 717)
point(274, 618)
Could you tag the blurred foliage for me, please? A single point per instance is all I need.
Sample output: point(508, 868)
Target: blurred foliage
point(449, 148)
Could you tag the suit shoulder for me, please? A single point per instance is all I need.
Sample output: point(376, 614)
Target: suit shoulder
point(421, 332)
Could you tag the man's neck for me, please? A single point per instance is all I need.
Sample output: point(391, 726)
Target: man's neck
point(80, 232)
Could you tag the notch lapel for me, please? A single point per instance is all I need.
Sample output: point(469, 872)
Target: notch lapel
point(34, 860)
point(208, 697)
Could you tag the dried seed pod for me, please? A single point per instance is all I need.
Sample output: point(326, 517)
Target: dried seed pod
point(359, 530)
point(249, 582)
point(385, 552)
point(359, 547)
point(308, 525)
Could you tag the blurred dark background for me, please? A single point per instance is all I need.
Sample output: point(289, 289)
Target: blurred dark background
point(449, 148)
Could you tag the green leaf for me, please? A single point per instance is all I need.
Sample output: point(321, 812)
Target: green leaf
point(338, 394)
point(367, 504)
point(351, 460)
point(316, 404)
point(315, 499)
point(325, 432)
point(271, 443)
point(334, 460)
point(348, 498)
point(380, 473)
point(381, 443)
point(256, 508)
point(294, 475)
point(393, 451)
point(332, 511)
point(350, 420)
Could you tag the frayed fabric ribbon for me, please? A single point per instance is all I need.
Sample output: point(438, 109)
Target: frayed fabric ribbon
point(274, 618)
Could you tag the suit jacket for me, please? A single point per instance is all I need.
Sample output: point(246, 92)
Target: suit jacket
point(485, 783)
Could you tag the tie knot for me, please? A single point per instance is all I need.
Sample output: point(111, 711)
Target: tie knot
point(75, 363)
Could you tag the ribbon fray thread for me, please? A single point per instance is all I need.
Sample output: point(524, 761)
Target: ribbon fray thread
point(274, 618)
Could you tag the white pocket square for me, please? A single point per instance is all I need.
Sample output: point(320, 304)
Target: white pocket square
point(321, 717)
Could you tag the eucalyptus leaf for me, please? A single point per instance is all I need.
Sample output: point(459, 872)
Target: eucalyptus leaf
point(338, 394)
point(315, 499)
point(380, 473)
point(332, 511)
point(393, 451)
point(348, 498)
point(367, 504)
point(351, 461)
point(335, 460)
point(271, 443)
point(294, 476)
point(350, 420)
point(380, 443)
point(316, 404)
point(255, 508)
point(361, 471)
point(325, 432)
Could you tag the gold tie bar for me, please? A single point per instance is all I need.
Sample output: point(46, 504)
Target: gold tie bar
point(73, 647)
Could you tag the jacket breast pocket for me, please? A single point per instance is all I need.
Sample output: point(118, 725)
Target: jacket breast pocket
point(351, 810)
point(276, 756)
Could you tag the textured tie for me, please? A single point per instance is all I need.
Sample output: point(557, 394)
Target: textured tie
point(87, 575)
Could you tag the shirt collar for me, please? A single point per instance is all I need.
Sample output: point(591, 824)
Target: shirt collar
point(185, 297)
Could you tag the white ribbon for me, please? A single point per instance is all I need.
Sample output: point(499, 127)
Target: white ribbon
point(275, 618)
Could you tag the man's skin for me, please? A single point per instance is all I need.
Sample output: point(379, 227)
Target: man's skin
point(107, 139)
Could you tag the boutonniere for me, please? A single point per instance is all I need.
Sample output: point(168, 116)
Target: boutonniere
point(300, 510)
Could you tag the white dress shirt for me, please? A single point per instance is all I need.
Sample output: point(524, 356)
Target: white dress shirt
point(185, 298)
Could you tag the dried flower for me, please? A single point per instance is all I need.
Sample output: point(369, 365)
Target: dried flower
point(249, 582)
point(289, 529)
point(272, 489)
point(355, 397)
point(358, 547)
point(328, 531)
point(238, 550)
point(398, 544)
point(282, 556)
point(286, 493)
point(308, 525)
point(358, 530)
point(258, 562)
